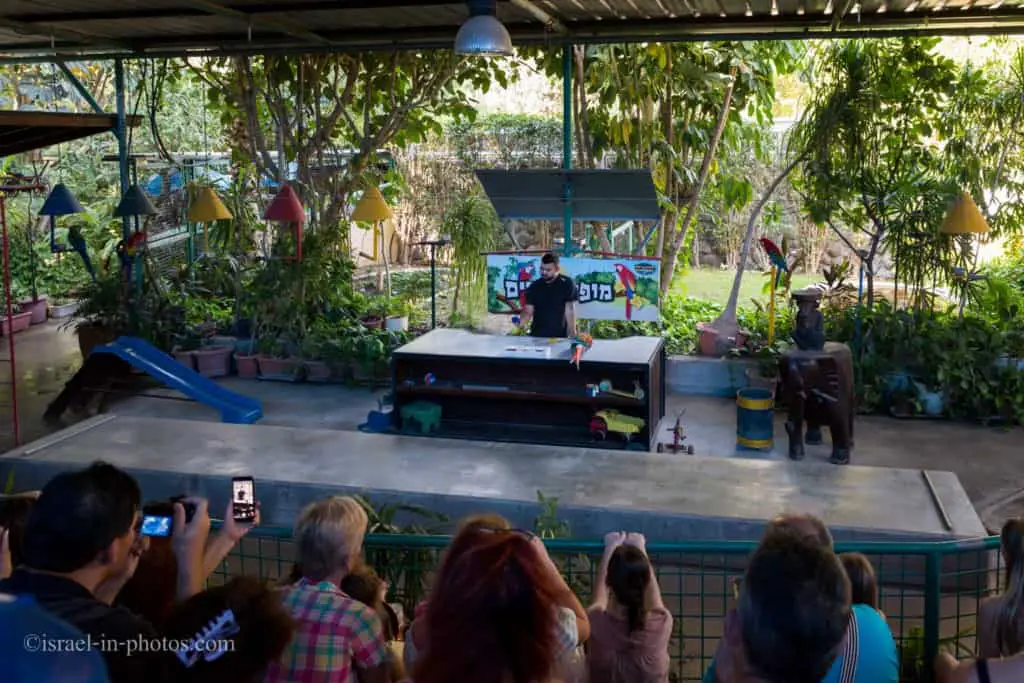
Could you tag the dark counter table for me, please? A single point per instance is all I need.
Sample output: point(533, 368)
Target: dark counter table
point(507, 388)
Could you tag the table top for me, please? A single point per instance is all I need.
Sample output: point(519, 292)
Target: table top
point(453, 344)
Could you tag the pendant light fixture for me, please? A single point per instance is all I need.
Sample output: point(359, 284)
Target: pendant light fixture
point(285, 207)
point(964, 218)
point(134, 203)
point(60, 202)
point(372, 208)
point(206, 208)
point(483, 35)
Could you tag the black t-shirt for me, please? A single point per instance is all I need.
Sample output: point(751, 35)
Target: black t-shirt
point(548, 300)
point(109, 629)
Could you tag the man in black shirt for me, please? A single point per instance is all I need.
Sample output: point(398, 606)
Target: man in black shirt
point(550, 302)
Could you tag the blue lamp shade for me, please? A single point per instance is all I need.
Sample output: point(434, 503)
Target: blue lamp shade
point(483, 35)
point(60, 202)
point(134, 203)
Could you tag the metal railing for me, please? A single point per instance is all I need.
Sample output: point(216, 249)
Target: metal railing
point(929, 591)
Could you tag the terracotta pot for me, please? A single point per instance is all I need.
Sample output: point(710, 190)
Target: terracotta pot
point(186, 358)
point(91, 336)
point(19, 323)
point(248, 367)
point(317, 371)
point(38, 309)
point(214, 361)
point(279, 368)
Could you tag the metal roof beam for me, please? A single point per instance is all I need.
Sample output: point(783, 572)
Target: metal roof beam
point(282, 25)
point(74, 36)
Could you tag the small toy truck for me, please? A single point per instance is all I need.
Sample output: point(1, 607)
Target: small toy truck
point(605, 421)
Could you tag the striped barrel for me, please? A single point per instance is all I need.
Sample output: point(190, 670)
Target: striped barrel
point(755, 419)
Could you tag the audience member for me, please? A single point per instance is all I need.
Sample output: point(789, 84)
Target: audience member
point(364, 585)
point(869, 651)
point(24, 657)
point(491, 616)
point(82, 544)
point(152, 589)
point(573, 622)
point(949, 670)
point(863, 584)
point(629, 625)
point(228, 633)
point(793, 610)
point(336, 636)
point(1001, 618)
point(14, 511)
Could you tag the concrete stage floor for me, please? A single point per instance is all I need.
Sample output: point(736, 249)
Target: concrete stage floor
point(667, 497)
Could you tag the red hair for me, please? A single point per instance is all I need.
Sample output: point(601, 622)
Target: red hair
point(151, 591)
point(492, 615)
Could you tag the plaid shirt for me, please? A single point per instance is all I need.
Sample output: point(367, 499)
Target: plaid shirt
point(334, 635)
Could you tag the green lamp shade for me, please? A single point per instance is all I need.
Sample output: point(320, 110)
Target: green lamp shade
point(134, 203)
point(285, 207)
point(60, 202)
point(206, 207)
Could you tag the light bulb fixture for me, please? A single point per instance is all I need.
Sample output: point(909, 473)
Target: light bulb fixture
point(371, 207)
point(134, 203)
point(206, 207)
point(964, 218)
point(285, 207)
point(482, 35)
point(60, 202)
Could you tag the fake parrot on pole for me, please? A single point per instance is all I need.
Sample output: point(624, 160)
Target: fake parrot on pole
point(580, 344)
point(777, 258)
point(526, 272)
point(77, 243)
point(628, 280)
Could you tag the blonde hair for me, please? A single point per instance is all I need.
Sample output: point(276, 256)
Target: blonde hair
point(329, 535)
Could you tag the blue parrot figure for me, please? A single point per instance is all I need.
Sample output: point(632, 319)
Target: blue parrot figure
point(77, 243)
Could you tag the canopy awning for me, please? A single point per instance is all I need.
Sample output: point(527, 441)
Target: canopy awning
point(24, 131)
point(593, 194)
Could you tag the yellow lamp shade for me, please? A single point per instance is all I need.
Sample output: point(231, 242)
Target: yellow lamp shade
point(964, 218)
point(206, 207)
point(371, 207)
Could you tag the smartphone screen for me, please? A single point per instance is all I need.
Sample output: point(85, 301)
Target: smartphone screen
point(243, 499)
point(156, 525)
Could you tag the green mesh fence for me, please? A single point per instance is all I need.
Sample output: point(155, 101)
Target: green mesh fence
point(929, 591)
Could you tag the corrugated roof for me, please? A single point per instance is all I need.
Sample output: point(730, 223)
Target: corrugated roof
point(594, 194)
point(175, 27)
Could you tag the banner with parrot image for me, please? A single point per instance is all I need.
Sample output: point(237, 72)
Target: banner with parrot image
point(609, 287)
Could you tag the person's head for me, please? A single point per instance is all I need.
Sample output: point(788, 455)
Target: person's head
point(246, 621)
point(86, 523)
point(549, 266)
point(329, 537)
point(805, 526)
point(793, 609)
point(492, 614)
point(629, 575)
point(151, 590)
point(484, 521)
point(863, 584)
point(1007, 624)
point(363, 584)
point(14, 511)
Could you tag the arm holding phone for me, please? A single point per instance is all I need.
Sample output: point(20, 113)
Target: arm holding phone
point(221, 545)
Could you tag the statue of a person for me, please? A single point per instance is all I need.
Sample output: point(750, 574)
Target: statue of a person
point(809, 330)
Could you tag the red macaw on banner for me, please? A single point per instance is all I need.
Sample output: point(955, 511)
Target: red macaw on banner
point(628, 280)
point(777, 258)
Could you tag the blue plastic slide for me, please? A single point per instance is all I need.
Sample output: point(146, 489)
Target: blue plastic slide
point(234, 408)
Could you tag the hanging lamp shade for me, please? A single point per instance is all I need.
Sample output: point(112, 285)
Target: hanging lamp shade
point(134, 203)
point(483, 35)
point(964, 218)
point(371, 207)
point(285, 207)
point(206, 207)
point(60, 202)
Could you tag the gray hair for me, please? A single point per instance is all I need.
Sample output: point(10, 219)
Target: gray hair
point(329, 535)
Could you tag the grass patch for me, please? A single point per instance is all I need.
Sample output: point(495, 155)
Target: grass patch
point(713, 284)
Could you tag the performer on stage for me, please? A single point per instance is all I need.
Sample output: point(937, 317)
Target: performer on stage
point(550, 302)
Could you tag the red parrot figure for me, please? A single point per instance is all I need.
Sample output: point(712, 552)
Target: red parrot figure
point(526, 272)
point(628, 280)
point(778, 259)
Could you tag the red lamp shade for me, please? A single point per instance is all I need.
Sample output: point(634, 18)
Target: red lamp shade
point(285, 207)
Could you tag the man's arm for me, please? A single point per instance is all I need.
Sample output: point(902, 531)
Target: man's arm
point(526, 315)
point(570, 309)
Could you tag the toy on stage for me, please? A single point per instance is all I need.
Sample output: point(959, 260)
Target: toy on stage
point(581, 343)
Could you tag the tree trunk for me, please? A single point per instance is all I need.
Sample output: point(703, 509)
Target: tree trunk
point(726, 324)
point(668, 261)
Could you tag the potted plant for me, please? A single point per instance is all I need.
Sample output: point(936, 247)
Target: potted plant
point(214, 360)
point(185, 349)
point(101, 315)
point(19, 321)
point(765, 373)
point(63, 307)
point(369, 354)
point(35, 304)
point(399, 311)
point(313, 362)
point(276, 363)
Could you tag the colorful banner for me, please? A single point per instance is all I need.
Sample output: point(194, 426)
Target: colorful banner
point(610, 288)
